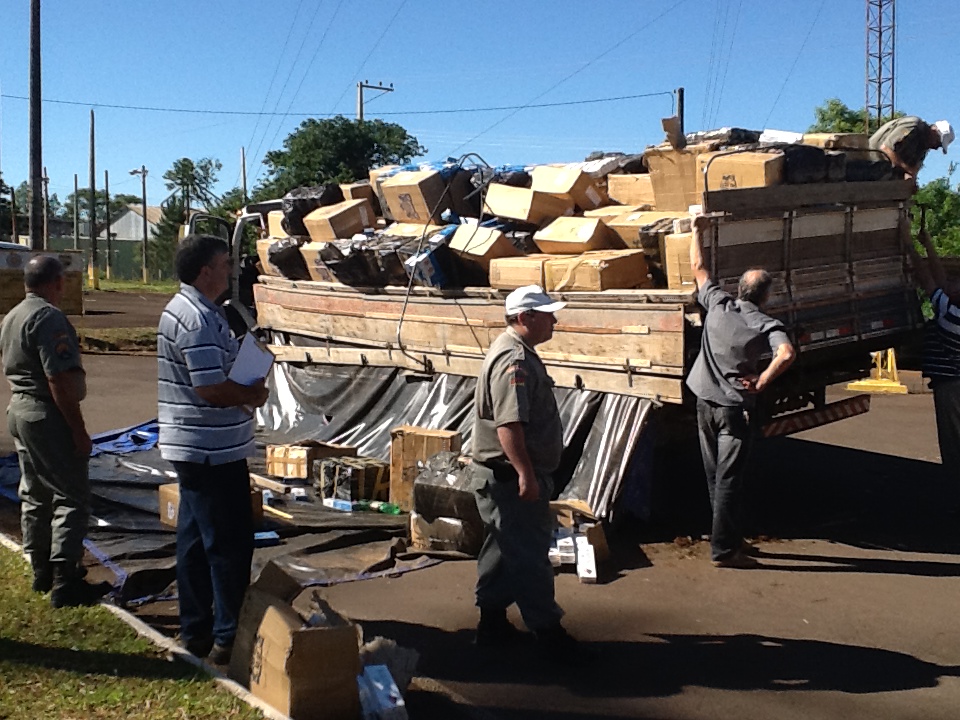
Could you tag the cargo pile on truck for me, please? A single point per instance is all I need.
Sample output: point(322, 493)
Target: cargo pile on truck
point(14, 257)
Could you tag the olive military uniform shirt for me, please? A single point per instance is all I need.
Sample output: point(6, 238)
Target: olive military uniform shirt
point(36, 342)
point(906, 136)
point(514, 387)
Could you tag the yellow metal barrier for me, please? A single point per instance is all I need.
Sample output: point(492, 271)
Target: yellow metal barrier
point(883, 378)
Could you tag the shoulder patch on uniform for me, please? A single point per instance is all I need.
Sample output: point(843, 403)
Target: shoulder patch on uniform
point(63, 350)
point(518, 374)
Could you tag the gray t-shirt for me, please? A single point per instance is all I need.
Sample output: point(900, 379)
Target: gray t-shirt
point(513, 386)
point(906, 136)
point(737, 337)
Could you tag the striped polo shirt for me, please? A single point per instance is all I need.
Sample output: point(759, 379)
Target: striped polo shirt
point(194, 349)
point(941, 342)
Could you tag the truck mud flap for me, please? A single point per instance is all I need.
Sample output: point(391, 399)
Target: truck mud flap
point(808, 419)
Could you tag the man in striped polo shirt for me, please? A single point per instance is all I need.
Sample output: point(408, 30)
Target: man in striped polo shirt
point(941, 356)
point(206, 432)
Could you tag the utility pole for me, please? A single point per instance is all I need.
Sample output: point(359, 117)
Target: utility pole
point(243, 172)
point(13, 214)
point(76, 212)
point(142, 172)
point(680, 109)
point(880, 61)
point(94, 267)
point(106, 191)
point(36, 143)
point(46, 210)
point(361, 86)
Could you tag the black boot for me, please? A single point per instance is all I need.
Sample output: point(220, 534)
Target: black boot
point(558, 646)
point(42, 579)
point(494, 630)
point(71, 590)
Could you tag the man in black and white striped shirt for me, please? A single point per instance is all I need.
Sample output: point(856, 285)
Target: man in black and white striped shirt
point(941, 355)
point(206, 432)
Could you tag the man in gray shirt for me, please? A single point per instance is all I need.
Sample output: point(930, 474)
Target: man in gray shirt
point(726, 378)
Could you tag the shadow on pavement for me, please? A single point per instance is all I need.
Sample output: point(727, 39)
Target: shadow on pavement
point(666, 664)
point(835, 563)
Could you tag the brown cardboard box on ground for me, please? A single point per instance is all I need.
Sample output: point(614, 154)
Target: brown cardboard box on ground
point(413, 195)
point(342, 220)
point(513, 272)
point(569, 181)
point(275, 224)
point(445, 534)
point(576, 235)
point(480, 245)
point(673, 174)
point(169, 497)
point(295, 460)
point(529, 206)
point(315, 266)
point(739, 170)
point(628, 226)
point(677, 261)
point(597, 271)
point(306, 672)
point(631, 189)
point(361, 191)
point(410, 445)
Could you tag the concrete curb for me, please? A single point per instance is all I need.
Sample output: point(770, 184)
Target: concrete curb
point(177, 652)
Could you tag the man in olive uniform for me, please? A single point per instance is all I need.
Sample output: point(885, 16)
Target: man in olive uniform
point(517, 441)
point(41, 359)
point(906, 141)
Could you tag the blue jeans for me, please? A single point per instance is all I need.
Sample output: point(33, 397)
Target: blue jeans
point(214, 548)
point(725, 441)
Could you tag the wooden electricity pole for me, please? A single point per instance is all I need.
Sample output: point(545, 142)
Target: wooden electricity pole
point(106, 190)
point(94, 267)
point(36, 143)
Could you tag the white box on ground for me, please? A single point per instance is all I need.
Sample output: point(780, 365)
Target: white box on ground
point(586, 561)
point(568, 550)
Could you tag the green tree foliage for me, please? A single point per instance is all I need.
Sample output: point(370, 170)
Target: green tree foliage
point(166, 236)
point(835, 117)
point(5, 213)
point(335, 150)
point(941, 201)
point(196, 178)
point(117, 204)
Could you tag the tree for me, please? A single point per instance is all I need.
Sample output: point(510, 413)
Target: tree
point(835, 117)
point(117, 204)
point(196, 178)
point(942, 209)
point(166, 235)
point(335, 150)
point(55, 208)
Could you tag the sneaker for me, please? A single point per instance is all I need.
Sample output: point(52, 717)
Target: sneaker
point(78, 593)
point(498, 633)
point(220, 654)
point(738, 560)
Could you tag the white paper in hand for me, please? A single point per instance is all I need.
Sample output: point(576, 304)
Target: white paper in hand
point(253, 362)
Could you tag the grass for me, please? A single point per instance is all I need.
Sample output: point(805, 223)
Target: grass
point(131, 339)
point(85, 664)
point(165, 287)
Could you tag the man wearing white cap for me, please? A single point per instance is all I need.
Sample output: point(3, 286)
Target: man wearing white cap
point(517, 441)
point(906, 141)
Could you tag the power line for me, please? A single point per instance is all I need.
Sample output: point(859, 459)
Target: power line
point(726, 64)
point(571, 75)
point(796, 60)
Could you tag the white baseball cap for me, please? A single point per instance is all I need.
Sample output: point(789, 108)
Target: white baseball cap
point(531, 297)
point(946, 134)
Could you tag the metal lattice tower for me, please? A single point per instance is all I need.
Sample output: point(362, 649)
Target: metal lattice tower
point(881, 43)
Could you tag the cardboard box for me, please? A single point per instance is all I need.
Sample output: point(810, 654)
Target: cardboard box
point(597, 271)
point(529, 206)
point(352, 478)
point(566, 236)
point(445, 534)
point(342, 220)
point(306, 672)
point(409, 446)
point(838, 141)
point(569, 181)
point(169, 498)
point(12, 291)
point(377, 177)
point(275, 224)
point(612, 211)
point(296, 460)
point(513, 272)
point(72, 302)
point(361, 191)
point(416, 196)
point(677, 261)
point(315, 265)
point(480, 245)
point(740, 170)
point(631, 189)
point(673, 174)
point(263, 249)
point(628, 226)
point(411, 230)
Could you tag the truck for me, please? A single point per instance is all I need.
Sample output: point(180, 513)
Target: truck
point(838, 253)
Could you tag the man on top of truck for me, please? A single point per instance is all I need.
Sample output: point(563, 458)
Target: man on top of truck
point(726, 377)
point(906, 141)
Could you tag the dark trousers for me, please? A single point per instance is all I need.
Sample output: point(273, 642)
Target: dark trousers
point(214, 548)
point(946, 402)
point(514, 563)
point(725, 441)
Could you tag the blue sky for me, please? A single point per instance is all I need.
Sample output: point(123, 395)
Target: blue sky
point(734, 57)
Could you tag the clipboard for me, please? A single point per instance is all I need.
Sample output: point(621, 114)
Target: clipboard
point(253, 362)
